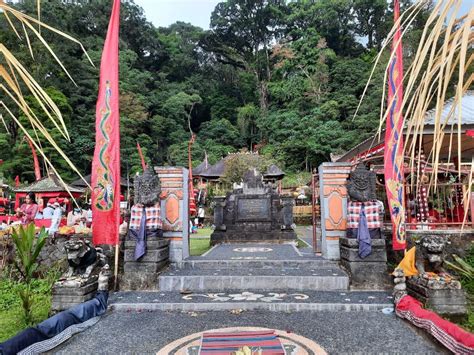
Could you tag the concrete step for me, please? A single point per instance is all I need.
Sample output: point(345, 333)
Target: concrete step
point(244, 262)
point(278, 301)
point(272, 278)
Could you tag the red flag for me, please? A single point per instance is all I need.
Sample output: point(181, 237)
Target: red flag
point(141, 156)
point(393, 153)
point(35, 160)
point(17, 181)
point(105, 178)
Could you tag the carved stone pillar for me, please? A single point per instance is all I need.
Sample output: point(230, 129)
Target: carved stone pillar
point(219, 213)
point(287, 212)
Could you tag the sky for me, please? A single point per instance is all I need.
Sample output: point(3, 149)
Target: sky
point(163, 13)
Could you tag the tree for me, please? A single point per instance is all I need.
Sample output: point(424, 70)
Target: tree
point(237, 165)
point(241, 35)
point(371, 21)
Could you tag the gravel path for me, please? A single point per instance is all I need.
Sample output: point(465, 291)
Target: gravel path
point(336, 332)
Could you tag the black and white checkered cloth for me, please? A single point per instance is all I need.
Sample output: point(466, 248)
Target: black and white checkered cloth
point(67, 333)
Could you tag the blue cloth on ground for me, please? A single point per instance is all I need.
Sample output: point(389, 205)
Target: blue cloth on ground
point(77, 314)
point(363, 236)
point(56, 324)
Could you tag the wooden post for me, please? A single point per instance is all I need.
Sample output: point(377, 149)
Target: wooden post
point(472, 209)
point(313, 210)
point(117, 250)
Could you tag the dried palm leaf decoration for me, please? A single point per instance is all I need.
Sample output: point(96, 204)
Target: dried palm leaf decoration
point(443, 58)
point(14, 78)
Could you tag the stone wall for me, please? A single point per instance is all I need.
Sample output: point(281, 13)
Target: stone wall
point(53, 254)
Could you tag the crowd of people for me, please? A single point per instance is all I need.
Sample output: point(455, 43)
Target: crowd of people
point(52, 214)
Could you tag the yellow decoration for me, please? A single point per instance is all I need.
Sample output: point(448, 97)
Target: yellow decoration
point(244, 351)
point(408, 263)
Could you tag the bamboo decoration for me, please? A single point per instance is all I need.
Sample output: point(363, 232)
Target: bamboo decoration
point(13, 73)
point(442, 59)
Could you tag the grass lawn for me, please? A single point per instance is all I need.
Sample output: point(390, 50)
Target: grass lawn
point(200, 241)
point(203, 232)
point(302, 244)
point(11, 312)
point(199, 246)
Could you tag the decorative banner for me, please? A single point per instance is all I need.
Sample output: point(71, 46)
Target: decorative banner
point(35, 159)
point(17, 181)
point(105, 178)
point(393, 154)
point(141, 156)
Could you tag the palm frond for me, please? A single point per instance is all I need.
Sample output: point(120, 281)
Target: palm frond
point(443, 58)
point(15, 77)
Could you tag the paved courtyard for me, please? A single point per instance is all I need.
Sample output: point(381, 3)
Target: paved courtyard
point(336, 332)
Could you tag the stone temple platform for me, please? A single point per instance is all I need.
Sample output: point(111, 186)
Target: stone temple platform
point(253, 266)
point(271, 277)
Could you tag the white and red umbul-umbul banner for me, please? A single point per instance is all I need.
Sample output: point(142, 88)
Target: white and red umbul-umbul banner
point(394, 152)
point(105, 179)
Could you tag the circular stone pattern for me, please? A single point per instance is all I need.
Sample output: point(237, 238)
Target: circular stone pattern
point(253, 250)
point(292, 343)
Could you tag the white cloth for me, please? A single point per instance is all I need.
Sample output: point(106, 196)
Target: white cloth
point(48, 212)
point(56, 220)
point(201, 212)
point(89, 215)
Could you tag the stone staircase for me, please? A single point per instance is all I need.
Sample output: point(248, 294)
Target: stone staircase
point(254, 275)
point(250, 277)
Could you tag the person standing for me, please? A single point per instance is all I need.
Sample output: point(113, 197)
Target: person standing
point(88, 216)
point(201, 215)
point(27, 211)
point(48, 211)
point(56, 220)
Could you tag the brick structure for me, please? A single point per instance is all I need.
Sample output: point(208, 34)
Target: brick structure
point(333, 196)
point(174, 209)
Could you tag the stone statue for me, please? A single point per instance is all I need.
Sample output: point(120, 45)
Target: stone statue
point(147, 188)
point(362, 184)
point(433, 286)
point(84, 262)
point(430, 254)
point(145, 218)
point(361, 188)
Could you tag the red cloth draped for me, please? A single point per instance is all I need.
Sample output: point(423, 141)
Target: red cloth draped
point(105, 178)
point(450, 335)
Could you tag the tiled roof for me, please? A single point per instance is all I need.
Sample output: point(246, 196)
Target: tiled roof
point(48, 184)
point(467, 111)
point(201, 167)
point(273, 171)
point(467, 118)
point(216, 170)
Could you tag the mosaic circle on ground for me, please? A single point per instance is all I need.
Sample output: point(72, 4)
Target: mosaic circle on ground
point(253, 250)
point(293, 344)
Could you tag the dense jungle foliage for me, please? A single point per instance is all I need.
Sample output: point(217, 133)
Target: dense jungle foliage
point(283, 77)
